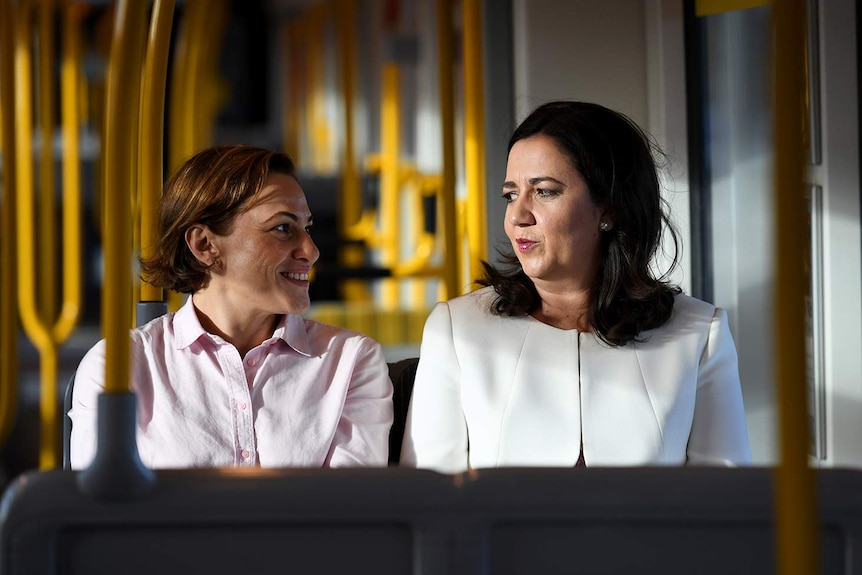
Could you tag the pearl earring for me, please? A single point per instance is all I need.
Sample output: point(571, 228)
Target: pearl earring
point(604, 225)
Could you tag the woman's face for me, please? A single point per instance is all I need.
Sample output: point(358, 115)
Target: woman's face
point(265, 260)
point(550, 219)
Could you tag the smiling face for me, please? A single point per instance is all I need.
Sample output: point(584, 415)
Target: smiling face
point(263, 263)
point(551, 220)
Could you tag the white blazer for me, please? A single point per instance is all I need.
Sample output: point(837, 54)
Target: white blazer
point(494, 391)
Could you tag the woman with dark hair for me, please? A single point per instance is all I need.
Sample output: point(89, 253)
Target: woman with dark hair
point(576, 354)
point(237, 377)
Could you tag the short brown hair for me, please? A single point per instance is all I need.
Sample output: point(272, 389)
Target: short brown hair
point(212, 187)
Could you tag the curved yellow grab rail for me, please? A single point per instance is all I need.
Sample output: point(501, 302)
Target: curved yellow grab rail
point(8, 254)
point(38, 315)
point(795, 506)
point(419, 263)
point(150, 168)
point(474, 136)
point(122, 89)
point(447, 222)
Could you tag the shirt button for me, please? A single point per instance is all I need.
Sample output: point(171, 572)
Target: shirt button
point(252, 362)
point(245, 453)
point(242, 406)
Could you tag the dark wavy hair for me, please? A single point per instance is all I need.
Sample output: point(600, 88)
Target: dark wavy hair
point(212, 187)
point(615, 158)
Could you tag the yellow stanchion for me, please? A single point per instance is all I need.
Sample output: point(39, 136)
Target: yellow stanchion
point(123, 89)
point(71, 78)
point(447, 202)
point(796, 518)
point(8, 254)
point(390, 138)
point(46, 245)
point(43, 326)
point(350, 193)
point(474, 137)
point(151, 170)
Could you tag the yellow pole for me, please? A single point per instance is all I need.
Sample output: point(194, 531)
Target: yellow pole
point(31, 321)
point(447, 202)
point(152, 131)
point(8, 254)
point(795, 505)
point(47, 237)
point(389, 178)
point(70, 80)
point(474, 136)
point(350, 194)
point(123, 93)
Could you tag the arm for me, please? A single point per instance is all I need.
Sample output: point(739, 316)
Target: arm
point(435, 435)
point(89, 384)
point(362, 435)
point(719, 435)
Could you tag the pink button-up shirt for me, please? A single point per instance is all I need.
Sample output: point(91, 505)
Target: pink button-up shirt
point(312, 395)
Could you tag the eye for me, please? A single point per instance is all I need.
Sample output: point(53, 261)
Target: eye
point(308, 229)
point(509, 197)
point(545, 192)
point(283, 228)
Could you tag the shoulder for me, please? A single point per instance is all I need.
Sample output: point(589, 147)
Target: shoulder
point(690, 317)
point(472, 304)
point(324, 337)
point(688, 308)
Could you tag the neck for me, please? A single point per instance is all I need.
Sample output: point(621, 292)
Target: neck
point(243, 330)
point(564, 308)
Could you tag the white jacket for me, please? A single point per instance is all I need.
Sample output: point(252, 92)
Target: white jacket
point(494, 391)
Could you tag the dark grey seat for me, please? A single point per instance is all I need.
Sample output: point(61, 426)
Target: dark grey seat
point(504, 521)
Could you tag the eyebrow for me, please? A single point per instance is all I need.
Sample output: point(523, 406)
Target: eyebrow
point(532, 182)
point(290, 215)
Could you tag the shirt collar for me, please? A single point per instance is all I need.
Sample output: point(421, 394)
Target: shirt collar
point(188, 329)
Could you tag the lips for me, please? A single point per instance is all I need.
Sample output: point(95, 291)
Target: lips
point(524, 244)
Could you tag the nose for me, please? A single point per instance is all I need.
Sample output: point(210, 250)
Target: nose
point(307, 249)
point(519, 212)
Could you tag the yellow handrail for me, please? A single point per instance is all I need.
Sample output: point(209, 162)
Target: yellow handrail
point(34, 326)
point(8, 254)
point(448, 211)
point(122, 89)
point(390, 146)
point(70, 78)
point(152, 130)
point(350, 193)
point(474, 136)
point(38, 317)
point(47, 243)
point(795, 505)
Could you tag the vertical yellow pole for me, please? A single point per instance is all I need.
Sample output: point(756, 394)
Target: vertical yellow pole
point(47, 236)
point(8, 254)
point(152, 131)
point(70, 82)
point(797, 535)
point(390, 144)
point(123, 93)
point(350, 193)
point(474, 136)
point(448, 200)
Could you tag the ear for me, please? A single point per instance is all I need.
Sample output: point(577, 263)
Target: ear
point(199, 239)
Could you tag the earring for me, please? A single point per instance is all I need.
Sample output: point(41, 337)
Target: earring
point(604, 225)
